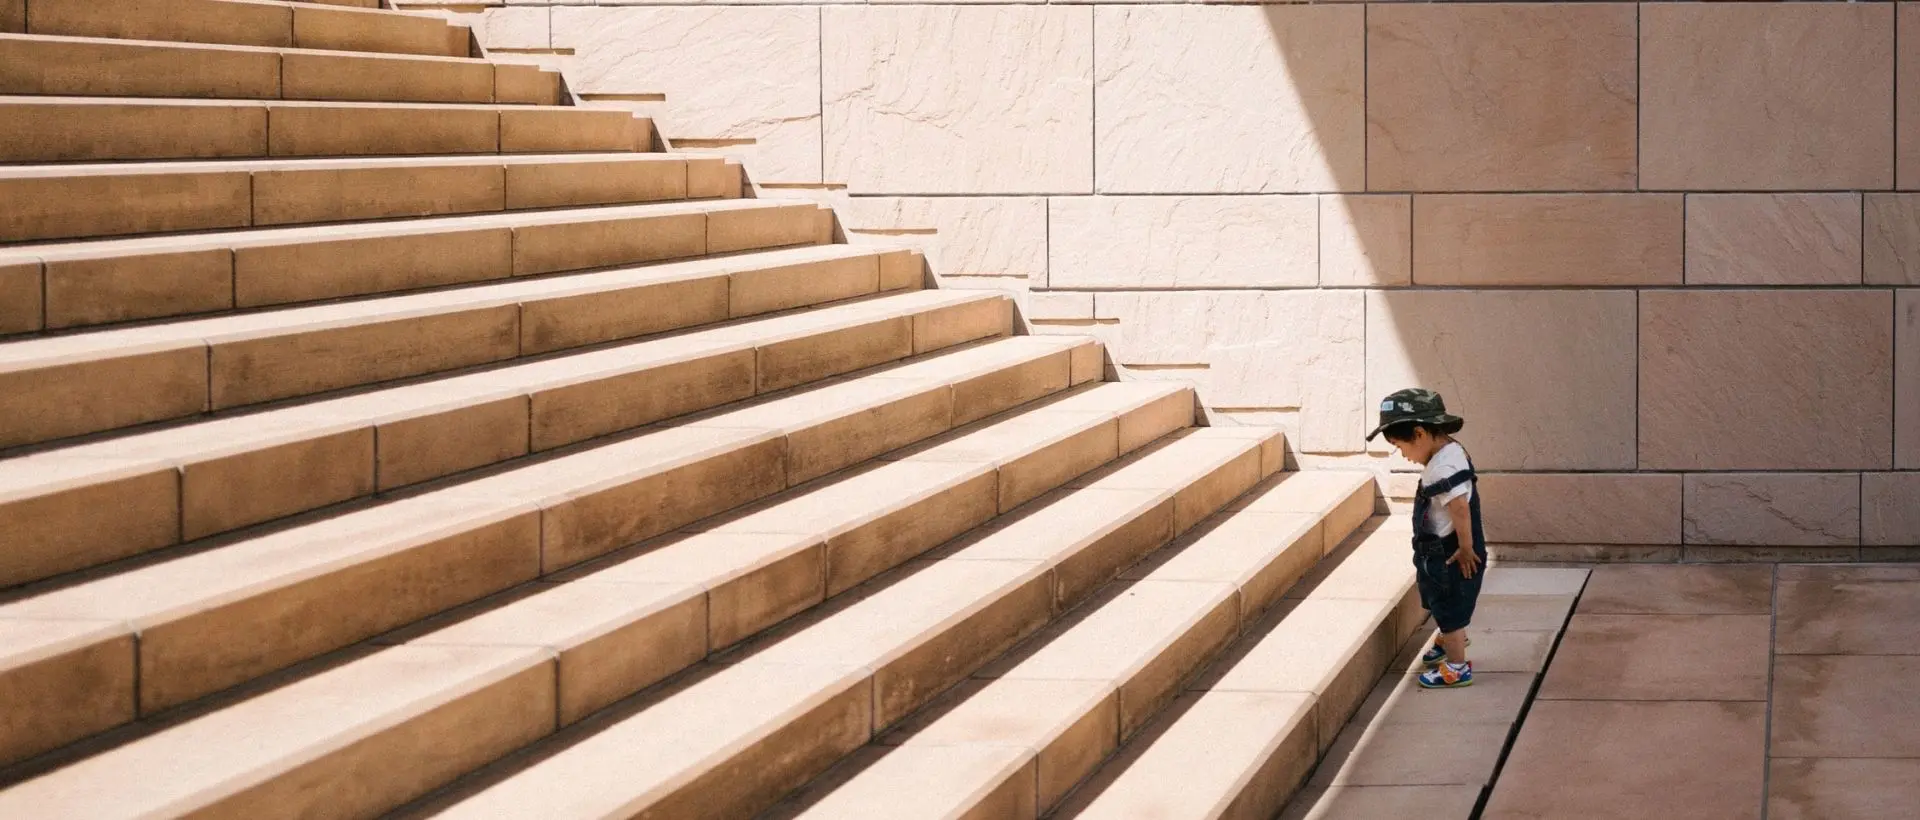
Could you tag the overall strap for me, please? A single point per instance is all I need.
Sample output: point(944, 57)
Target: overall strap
point(1444, 485)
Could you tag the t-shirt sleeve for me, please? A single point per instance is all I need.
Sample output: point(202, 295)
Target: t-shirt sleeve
point(1447, 464)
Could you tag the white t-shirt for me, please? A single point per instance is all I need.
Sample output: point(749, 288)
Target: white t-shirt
point(1451, 459)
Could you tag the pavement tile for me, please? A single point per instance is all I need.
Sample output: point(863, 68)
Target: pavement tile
point(1661, 657)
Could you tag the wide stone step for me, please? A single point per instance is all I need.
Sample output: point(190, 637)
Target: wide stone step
point(69, 385)
point(101, 67)
point(1014, 741)
point(183, 483)
point(241, 609)
point(242, 23)
point(75, 201)
point(76, 129)
point(77, 284)
point(1248, 732)
point(605, 636)
point(730, 742)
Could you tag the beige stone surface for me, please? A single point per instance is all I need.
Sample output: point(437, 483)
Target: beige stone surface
point(1683, 590)
point(1892, 239)
point(1890, 509)
point(639, 178)
point(1759, 96)
point(295, 476)
point(1267, 349)
point(1229, 99)
point(305, 76)
point(1547, 239)
point(904, 83)
point(323, 744)
point(46, 403)
point(1071, 726)
point(757, 76)
point(66, 130)
point(293, 363)
point(1661, 657)
point(22, 297)
point(1841, 789)
point(1847, 610)
point(64, 680)
point(1235, 754)
point(961, 236)
point(1366, 240)
point(1367, 802)
point(1791, 510)
point(1683, 759)
point(530, 130)
point(1773, 239)
point(51, 510)
point(1489, 97)
point(1906, 379)
point(1908, 106)
point(1182, 242)
point(1581, 508)
point(1819, 361)
point(350, 265)
point(105, 204)
point(1844, 706)
point(241, 24)
point(366, 130)
point(1551, 373)
point(1402, 755)
point(355, 30)
point(288, 196)
point(13, 15)
point(573, 244)
point(76, 68)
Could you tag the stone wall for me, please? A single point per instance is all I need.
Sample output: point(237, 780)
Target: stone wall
point(1657, 253)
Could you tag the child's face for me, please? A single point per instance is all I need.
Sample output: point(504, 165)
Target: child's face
point(1420, 448)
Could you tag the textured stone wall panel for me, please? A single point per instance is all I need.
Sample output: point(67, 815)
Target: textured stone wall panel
point(1766, 380)
point(954, 99)
point(961, 236)
point(1547, 239)
point(1909, 104)
point(1581, 508)
point(1773, 239)
point(1766, 96)
point(1893, 239)
point(1890, 509)
point(1366, 240)
point(1906, 443)
point(1784, 510)
point(1183, 242)
point(728, 73)
point(1259, 349)
point(1230, 99)
point(1500, 97)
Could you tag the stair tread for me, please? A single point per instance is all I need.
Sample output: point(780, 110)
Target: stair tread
point(636, 761)
point(197, 102)
point(244, 49)
point(1209, 750)
point(253, 22)
point(329, 164)
point(324, 711)
point(250, 237)
point(186, 333)
point(562, 613)
point(1029, 698)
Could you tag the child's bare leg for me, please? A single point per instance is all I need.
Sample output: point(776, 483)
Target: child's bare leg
point(1455, 643)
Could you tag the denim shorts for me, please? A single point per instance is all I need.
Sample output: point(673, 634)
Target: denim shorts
point(1444, 590)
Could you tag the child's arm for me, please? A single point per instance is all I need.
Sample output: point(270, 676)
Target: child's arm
point(1461, 511)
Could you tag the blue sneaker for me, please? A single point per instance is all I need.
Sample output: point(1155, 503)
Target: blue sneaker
point(1434, 654)
point(1447, 676)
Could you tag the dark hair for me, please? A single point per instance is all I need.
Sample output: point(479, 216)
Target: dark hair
point(1404, 430)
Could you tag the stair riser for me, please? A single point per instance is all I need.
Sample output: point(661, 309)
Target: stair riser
point(79, 68)
point(186, 657)
point(241, 24)
point(236, 373)
point(49, 132)
point(60, 531)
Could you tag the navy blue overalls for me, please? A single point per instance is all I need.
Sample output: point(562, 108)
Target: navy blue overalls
point(1444, 590)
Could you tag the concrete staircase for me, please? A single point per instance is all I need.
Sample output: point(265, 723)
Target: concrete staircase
point(383, 434)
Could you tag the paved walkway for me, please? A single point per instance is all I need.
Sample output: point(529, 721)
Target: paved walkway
point(1397, 757)
point(1737, 692)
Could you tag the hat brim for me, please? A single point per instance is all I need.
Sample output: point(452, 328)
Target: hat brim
point(1448, 422)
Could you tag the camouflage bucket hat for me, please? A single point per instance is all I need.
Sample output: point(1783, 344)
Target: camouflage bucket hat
point(1416, 405)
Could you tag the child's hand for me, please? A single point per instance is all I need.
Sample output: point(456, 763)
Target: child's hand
point(1469, 562)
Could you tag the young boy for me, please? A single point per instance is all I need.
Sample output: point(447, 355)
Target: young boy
point(1447, 566)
